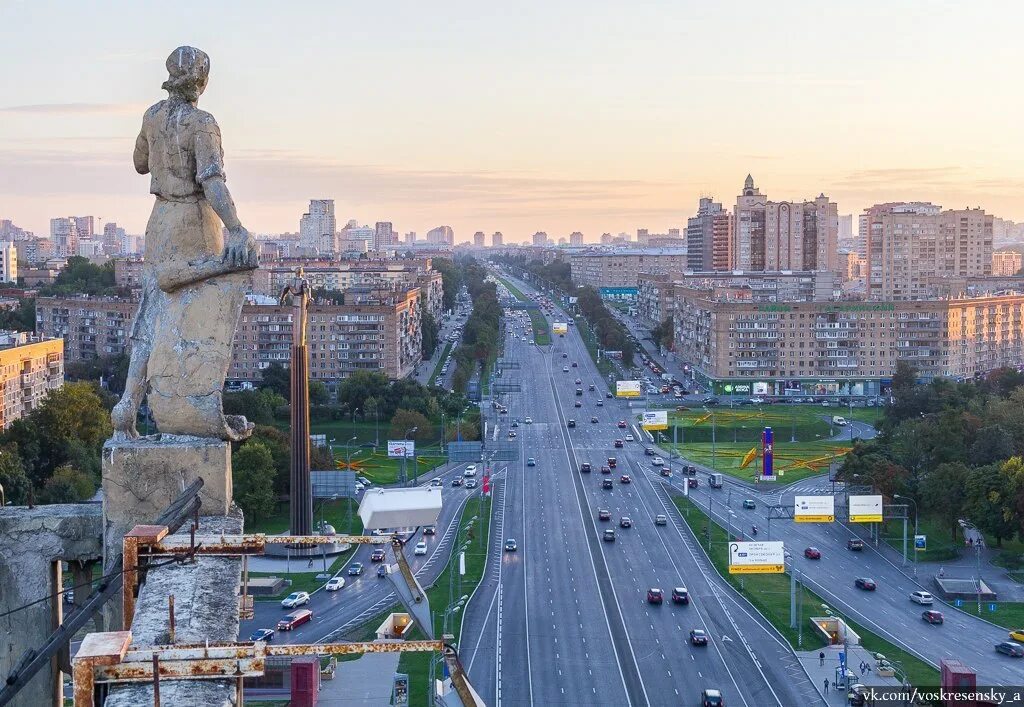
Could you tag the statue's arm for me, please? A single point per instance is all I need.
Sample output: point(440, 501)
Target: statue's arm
point(141, 155)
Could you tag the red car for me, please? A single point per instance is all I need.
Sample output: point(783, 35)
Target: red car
point(868, 585)
point(680, 596)
point(698, 637)
point(665, 472)
point(611, 462)
point(618, 444)
point(655, 596)
point(812, 553)
point(622, 424)
point(932, 617)
point(604, 515)
point(624, 479)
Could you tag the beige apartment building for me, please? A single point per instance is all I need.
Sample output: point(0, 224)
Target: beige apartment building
point(911, 245)
point(376, 330)
point(783, 235)
point(1006, 263)
point(616, 272)
point(829, 348)
point(29, 369)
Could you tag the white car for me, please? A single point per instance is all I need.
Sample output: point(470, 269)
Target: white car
point(657, 461)
point(923, 598)
point(528, 420)
point(334, 584)
point(629, 438)
point(295, 599)
point(470, 471)
point(421, 548)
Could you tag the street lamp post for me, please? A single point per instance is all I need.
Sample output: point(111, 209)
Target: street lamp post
point(405, 454)
point(907, 498)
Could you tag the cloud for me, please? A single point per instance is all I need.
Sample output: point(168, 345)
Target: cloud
point(904, 176)
point(75, 108)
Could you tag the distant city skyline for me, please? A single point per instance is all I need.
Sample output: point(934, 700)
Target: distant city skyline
point(536, 133)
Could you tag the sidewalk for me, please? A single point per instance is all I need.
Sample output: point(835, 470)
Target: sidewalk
point(818, 673)
point(365, 682)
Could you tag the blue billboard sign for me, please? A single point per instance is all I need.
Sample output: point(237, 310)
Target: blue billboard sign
point(767, 455)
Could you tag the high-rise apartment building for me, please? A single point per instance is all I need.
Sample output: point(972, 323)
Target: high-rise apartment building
point(383, 235)
point(478, 239)
point(317, 228)
point(769, 235)
point(86, 226)
point(708, 237)
point(443, 235)
point(497, 240)
point(616, 272)
point(410, 237)
point(64, 235)
point(846, 227)
point(30, 368)
point(912, 246)
point(540, 238)
point(113, 239)
point(8, 262)
point(1006, 262)
point(575, 238)
point(10, 232)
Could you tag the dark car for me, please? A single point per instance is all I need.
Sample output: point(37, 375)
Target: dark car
point(625, 522)
point(578, 404)
point(585, 468)
point(748, 503)
point(608, 394)
point(579, 391)
point(1010, 648)
point(609, 535)
point(604, 514)
point(618, 444)
point(590, 387)
point(578, 381)
point(457, 481)
point(624, 479)
point(622, 424)
point(611, 462)
point(606, 470)
point(690, 470)
point(692, 483)
point(429, 530)
point(600, 403)
point(377, 555)
point(571, 423)
point(593, 419)
point(698, 637)
point(710, 401)
point(606, 484)
point(812, 553)
point(680, 596)
point(565, 355)
point(355, 569)
point(931, 616)
point(665, 471)
point(865, 583)
point(855, 544)
point(263, 634)
point(711, 698)
point(648, 452)
point(382, 571)
point(655, 596)
point(574, 364)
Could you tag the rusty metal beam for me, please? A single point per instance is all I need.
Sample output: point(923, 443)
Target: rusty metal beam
point(180, 669)
point(359, 647)
point(232, 545)
point(136, 537)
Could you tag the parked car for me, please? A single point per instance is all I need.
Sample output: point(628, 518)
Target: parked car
point(932, 616)
point(680, 596)
point(295, 599)
point(262, 634)
point(294, 620)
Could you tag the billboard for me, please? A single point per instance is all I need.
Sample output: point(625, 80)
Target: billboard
point(559, 327)
point(920, 543)
point(654, 420)
point(757, 557)
point(814, 509)
point(767, 455)
point(627, 389)
point(865, 509)
point(401, 448)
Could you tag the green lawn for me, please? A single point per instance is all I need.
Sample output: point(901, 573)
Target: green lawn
point(744, 423)
point(541, 334)
point(604, 366)
point(770, 594)
point(440, 363)
point(516, 292)
point(417, 665)
point(334, 512)
point(940, 547)
point(1009, 614)
point(793, 460)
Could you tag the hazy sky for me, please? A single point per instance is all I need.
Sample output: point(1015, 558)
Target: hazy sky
point(556, 115)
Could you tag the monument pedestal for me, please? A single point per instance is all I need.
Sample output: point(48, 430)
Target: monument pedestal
point(141, 477)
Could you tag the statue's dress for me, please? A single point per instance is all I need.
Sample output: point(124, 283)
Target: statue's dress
point(186, 319)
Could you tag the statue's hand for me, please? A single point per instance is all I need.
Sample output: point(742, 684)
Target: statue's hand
point(240, 250)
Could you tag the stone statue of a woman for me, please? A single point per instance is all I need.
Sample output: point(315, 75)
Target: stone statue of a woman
point(194, 280)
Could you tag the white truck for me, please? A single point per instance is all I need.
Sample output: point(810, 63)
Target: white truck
point(715, 481)
point(837, 420)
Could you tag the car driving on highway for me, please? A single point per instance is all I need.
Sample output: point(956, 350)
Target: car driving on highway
point(655, 596)
point(698, 637)
point(355, 569)
point(865, 583)
point(295, 599)
point(334, 584)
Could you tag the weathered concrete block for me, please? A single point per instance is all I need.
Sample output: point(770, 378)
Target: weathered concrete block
point(206, 609)
point(33, 542)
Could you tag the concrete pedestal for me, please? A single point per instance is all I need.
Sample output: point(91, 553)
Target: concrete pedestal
point(141, 477)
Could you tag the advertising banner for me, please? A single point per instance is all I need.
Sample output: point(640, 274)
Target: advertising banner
point(559, 327)
point(627, 389)
point(920, 542)
point(757, 557)
point(814, 509)
point(654, 420)
point(401, 448)
point(865, 509)
point(767, 455)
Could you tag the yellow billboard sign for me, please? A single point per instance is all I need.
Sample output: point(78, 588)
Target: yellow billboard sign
point(767, 557)
point(865, 509)
point(627, 389)
point(654, 420)
point(814, 509)
point(559, 327)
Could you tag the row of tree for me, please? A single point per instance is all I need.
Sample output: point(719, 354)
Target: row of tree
point(481, 335)
point(611, 334)
point(956, 448)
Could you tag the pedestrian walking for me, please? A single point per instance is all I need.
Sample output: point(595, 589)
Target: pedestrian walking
point(821, 658)
point(826, 684)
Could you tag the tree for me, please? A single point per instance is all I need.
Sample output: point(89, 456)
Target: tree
point(989, 500)
point(67, 485)
point(359, 387)
point(70, 425)
point(257, 406)
point(278, 379)
point(278, 444)
point(12, 478)
point(428, 335)
point(991, 444)
point(252, 471)
point(21, 318)
point(942, 494)
point(318, 394)
point(81, 277)
point(662, 334)
point(404, 420)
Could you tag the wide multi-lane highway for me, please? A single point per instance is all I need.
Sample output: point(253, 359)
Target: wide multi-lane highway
point(565, 619)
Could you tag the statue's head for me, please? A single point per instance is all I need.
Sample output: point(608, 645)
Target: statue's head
point(188, 71)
